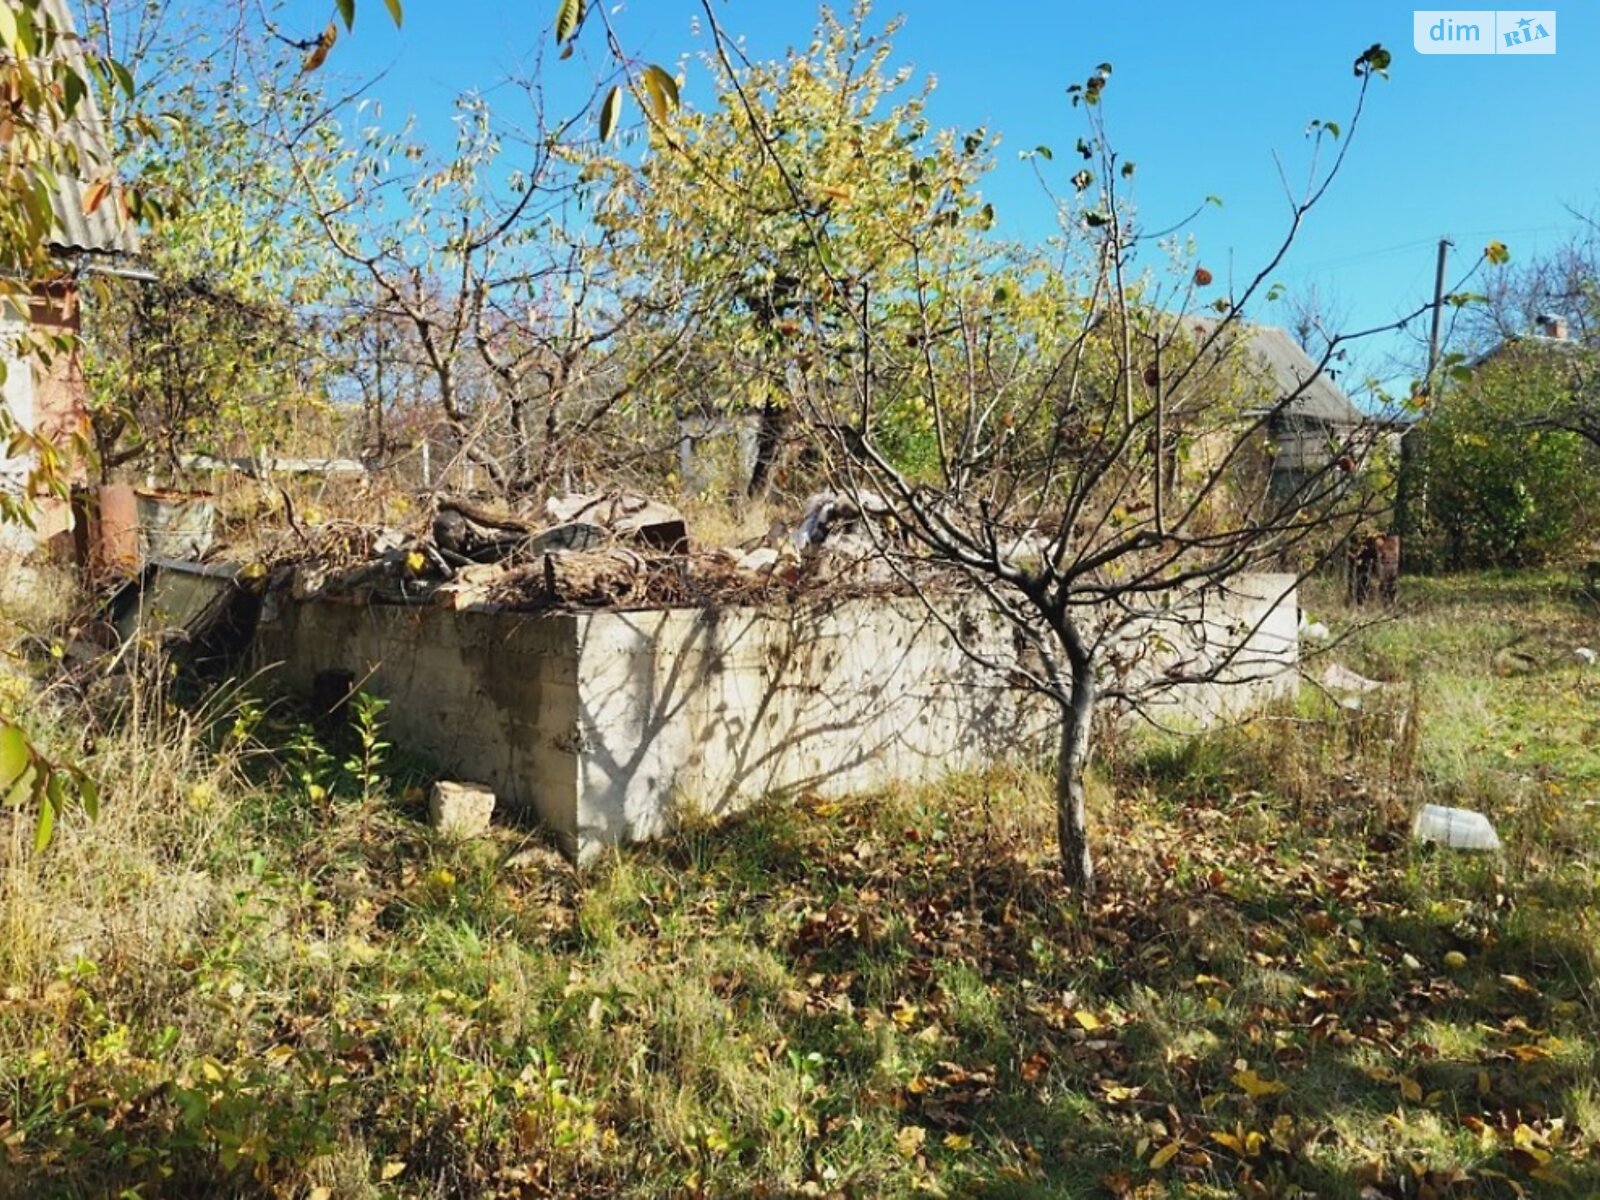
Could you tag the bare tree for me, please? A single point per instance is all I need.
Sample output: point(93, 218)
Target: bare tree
point(1547, 310)
point(503, 299)
point(1086, 436)
point(1562, 284)
point(1314, 314)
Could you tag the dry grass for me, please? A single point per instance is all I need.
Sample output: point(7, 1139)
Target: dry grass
point(714, 522)
point(233, 985)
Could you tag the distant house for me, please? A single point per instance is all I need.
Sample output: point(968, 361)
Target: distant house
point(1536, 354)
point(1551, 337)
point(49, 398)
point(1576, 361)
point(1308, 431)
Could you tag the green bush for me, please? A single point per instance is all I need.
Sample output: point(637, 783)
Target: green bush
point(1500, 490)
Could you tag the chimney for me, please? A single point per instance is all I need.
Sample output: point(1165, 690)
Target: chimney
point(1552, 326)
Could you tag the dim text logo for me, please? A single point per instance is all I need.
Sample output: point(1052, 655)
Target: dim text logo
point(1484, 31)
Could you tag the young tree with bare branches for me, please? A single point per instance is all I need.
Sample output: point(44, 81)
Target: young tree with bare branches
point(1083, 415)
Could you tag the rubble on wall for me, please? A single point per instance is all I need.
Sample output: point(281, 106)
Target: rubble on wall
point(607, 550)
point(616, 550)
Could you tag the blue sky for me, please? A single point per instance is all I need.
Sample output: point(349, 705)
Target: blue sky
point(1476, 147)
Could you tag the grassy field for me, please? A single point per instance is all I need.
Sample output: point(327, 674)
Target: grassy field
point(261, 975)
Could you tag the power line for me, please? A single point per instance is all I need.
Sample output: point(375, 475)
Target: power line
point(1360, 256)
point(1388, 251)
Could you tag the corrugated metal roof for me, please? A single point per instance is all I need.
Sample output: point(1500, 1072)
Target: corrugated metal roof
point(104, 231)
point(1290, 367)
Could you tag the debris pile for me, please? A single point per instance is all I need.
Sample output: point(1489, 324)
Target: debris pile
point(610, 550)
point(616, 550)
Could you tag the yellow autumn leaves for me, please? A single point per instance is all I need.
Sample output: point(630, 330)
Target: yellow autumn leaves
point(912, 1139)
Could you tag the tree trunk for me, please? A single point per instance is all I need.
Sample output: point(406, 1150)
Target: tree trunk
point(1072, 817)
point(520, 459)
point(769, 441)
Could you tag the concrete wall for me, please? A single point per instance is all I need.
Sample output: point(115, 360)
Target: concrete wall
point(1218, 653)
point(610, 724)
point(491, 697)
point(714, 709)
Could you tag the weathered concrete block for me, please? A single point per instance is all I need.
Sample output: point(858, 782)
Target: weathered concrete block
point(460, 810)
point(609, 725)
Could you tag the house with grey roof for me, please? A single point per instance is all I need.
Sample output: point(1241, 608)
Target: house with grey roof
point(1550, 336)
point(1311, 418)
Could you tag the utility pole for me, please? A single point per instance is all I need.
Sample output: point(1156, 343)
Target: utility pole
point(1438, 311)
point(1405, 490)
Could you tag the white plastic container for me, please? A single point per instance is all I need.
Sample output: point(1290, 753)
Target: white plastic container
point(1458, 828)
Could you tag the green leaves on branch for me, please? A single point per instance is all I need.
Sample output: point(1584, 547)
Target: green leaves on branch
point(827, 255)
point(15, 754)
point(344, 10)
point(1088, 92)
point(347, 12)
point(19, 31)
point(662, 90)
point(659, 89)
point(27, 777)
point(1374, 60)
point(660, 98)
point(47, 75)
point(117, 76)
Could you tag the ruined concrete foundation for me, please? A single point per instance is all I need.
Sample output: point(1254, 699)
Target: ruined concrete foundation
point(610, 724)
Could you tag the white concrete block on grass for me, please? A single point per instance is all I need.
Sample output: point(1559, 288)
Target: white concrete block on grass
point(460, 810)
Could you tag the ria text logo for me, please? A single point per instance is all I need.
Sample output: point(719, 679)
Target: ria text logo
point(1484, 31)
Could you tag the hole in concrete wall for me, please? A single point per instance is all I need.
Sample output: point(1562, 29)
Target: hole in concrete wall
point(330, 695)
